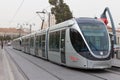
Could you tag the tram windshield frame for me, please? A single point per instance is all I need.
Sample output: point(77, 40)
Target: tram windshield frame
point(96, 35)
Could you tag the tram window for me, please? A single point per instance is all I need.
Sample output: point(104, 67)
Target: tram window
point(39, 41)
point(51, 41)
point(43, 37)
point(77, 41)
point(54, 41)
point(57, 40)
point(31, 41)
point(20, 42)
point(23, 42)
point(27, 41)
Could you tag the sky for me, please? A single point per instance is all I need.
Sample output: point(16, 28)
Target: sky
point(14, 12)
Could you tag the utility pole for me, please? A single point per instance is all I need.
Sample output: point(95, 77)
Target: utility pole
point(42, 18)
point(19, 29)
point(30, 28)
point(44, 12)
point(49, 19)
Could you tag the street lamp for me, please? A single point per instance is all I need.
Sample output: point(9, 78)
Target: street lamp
point(30, 25)
point(43, 19)
point(48, 13)
point(20, 28)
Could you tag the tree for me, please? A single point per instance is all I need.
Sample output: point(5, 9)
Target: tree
point(60, 10)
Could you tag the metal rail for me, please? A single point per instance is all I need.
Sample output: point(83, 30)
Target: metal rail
point(91, 74)
point(40, 67)
point(18, 67)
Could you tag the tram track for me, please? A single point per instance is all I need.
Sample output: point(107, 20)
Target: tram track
point(91, 74)
point(98, 74)
point(17, 66)
point(38, 66)
point(116, 69)
point(112, 70)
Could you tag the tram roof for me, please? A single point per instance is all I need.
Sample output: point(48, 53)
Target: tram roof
point(63, 24)
point(86, 19)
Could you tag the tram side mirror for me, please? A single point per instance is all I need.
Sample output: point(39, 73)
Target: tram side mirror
point(104, 17)
point(104, 20)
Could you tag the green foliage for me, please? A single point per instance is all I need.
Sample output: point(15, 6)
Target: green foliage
point(5, 38)
point(53, 2)
point(60, 10)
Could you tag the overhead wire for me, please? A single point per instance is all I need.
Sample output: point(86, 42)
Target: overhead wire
point(17, 11)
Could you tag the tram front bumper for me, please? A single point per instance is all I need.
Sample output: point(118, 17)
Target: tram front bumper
point(99, 64)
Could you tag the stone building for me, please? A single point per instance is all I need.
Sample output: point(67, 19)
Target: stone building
point(117, 34)
point(12, 32)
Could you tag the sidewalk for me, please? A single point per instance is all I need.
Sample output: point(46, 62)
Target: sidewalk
point(2, 76)
point(8, 69)
point(5, 69)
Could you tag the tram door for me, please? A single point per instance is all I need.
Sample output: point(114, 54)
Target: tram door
point(43, 46)
point(63, 60)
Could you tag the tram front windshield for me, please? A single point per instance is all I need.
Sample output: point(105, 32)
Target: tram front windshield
point(95, 35)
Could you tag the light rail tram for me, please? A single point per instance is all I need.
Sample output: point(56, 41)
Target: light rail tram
point(78, 42)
